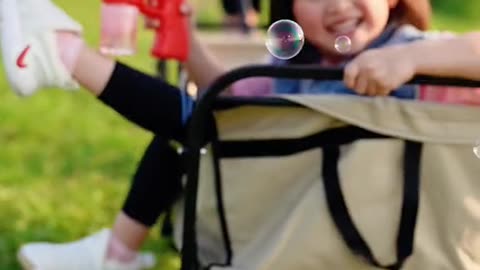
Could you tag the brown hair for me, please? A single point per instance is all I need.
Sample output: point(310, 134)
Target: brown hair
point(414, 12)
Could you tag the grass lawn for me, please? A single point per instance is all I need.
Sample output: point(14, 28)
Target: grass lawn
point(66, 160)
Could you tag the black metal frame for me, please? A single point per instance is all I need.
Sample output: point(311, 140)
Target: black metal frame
point(197, 130)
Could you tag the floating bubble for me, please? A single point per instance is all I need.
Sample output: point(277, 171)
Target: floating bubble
point(343, 44)
point(476, 148)
point(285, 39)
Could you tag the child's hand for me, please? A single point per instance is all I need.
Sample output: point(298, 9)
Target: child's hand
point(187, 10)
point(377, 72)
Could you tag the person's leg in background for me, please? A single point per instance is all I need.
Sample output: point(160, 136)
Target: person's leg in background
point(253, 13)
point(233, 12)
point(256, 5)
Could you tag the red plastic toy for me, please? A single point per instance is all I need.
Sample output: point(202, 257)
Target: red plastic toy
point(171, 26)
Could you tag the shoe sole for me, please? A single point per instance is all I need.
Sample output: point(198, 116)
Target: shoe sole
point(24, 262)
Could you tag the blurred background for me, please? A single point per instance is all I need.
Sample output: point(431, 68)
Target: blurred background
point(66, 160)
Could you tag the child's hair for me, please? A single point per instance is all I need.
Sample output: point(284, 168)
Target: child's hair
point(414, 12)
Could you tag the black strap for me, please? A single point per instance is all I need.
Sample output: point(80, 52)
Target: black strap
point(189, 248)
point(290, 146)
point(343, 221)
point(189, 251)
point(220, 202)
point(190, 260)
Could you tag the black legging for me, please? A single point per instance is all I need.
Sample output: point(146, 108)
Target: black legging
point(155, 106)
point(233, 7)
point(156, 184)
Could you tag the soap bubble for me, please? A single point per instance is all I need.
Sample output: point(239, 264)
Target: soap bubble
point(476, 148)
point(285, 39)
point(343, 44)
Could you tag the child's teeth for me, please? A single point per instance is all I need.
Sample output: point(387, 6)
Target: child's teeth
point(345, 27)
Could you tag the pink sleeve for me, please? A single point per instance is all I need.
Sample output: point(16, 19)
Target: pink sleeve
point(450, 95)
point(258, 86)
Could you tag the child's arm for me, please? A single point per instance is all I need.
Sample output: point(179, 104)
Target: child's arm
point(379, 71)
point(202, 65)
point(456, 57)
point(204, 68)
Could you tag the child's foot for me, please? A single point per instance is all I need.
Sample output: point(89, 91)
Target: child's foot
point(29, 48)
point(87, 253)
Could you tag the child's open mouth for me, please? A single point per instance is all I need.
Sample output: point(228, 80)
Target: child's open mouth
point(344, 27)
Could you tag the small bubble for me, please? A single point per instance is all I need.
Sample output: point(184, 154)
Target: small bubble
point(285, 39)
point(343, 44)
point(476, 148)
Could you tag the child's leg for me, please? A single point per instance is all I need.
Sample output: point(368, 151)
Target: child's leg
point(233, 13)
point(33, 60)
point(231, 7)
point(151, 103)
point(156, 185)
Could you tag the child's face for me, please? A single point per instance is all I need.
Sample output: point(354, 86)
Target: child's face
point(324, 20)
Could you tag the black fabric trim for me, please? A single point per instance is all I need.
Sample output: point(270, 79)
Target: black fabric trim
point(210, 266)
point(411, 200)
point(224, 103)
point(284, 147)
point(337, 206)
point(344, 222)
point(189, 249)
point(220, 205)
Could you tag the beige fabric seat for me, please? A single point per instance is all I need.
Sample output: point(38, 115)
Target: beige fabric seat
point(275, 205)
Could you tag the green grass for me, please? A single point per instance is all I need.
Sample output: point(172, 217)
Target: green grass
point(66, 159)
point(452, 23)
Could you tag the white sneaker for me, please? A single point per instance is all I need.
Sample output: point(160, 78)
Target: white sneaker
point(29, 47)
point(85, 254)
